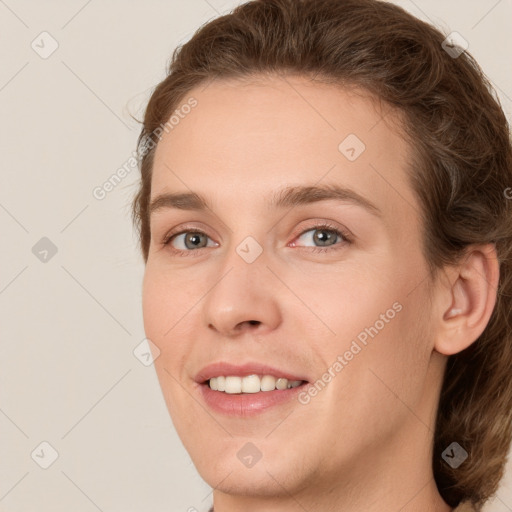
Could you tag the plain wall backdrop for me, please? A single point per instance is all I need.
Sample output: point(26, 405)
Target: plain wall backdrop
point(71, 74)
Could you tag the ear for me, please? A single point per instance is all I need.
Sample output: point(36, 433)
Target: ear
point(468, 299)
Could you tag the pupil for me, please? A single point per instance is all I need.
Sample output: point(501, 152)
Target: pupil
point(194, 239)
point(323, 239)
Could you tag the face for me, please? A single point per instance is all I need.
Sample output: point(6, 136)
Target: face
point(302, 262)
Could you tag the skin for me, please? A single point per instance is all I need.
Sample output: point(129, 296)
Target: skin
point(365, 441)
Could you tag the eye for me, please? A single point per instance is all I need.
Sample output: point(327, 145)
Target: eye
point(326, 236)
point(190, 240)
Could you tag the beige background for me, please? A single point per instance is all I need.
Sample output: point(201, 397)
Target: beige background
point(69, 325)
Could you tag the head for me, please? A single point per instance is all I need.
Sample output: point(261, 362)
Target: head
point(344, 119)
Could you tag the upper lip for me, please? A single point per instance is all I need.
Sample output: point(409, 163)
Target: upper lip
point(241, 370)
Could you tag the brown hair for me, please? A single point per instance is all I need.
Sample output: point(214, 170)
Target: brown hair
point(462, 167)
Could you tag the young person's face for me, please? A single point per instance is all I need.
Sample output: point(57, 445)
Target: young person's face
point(258, 291)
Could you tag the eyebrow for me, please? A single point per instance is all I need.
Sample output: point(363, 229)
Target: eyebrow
point(287, 197)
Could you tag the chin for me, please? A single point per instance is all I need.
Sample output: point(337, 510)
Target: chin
point(234, 479)
point(244, 465)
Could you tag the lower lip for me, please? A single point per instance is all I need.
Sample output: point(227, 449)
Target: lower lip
point(247, 404)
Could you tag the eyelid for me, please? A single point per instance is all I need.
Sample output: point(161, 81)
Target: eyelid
point(328, 226)
point(185, 228)
point(346, 235)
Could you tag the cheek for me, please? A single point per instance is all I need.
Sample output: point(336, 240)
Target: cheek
point(162, 296)
point(390, 367)
point(159, 307)
point(371, 319)
point(345, 303)
point(167, 308)
point(153, 304)
point(377, 386)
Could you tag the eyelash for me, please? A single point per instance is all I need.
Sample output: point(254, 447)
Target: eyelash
point(346, 239)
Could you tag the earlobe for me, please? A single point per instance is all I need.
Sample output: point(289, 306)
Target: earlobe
point(472, 293)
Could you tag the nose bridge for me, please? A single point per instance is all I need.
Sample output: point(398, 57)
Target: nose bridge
point(243, 290)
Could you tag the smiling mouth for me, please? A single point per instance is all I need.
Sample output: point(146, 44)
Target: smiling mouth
point(251, 384)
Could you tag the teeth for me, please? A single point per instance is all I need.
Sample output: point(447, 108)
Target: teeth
point(268, 383)
point(281, 383)
point(233, 385)
point(251, 384)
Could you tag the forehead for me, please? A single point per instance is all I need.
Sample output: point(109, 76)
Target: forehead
point(243, 139)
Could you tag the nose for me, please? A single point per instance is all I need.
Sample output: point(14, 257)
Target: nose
point(245, 298)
